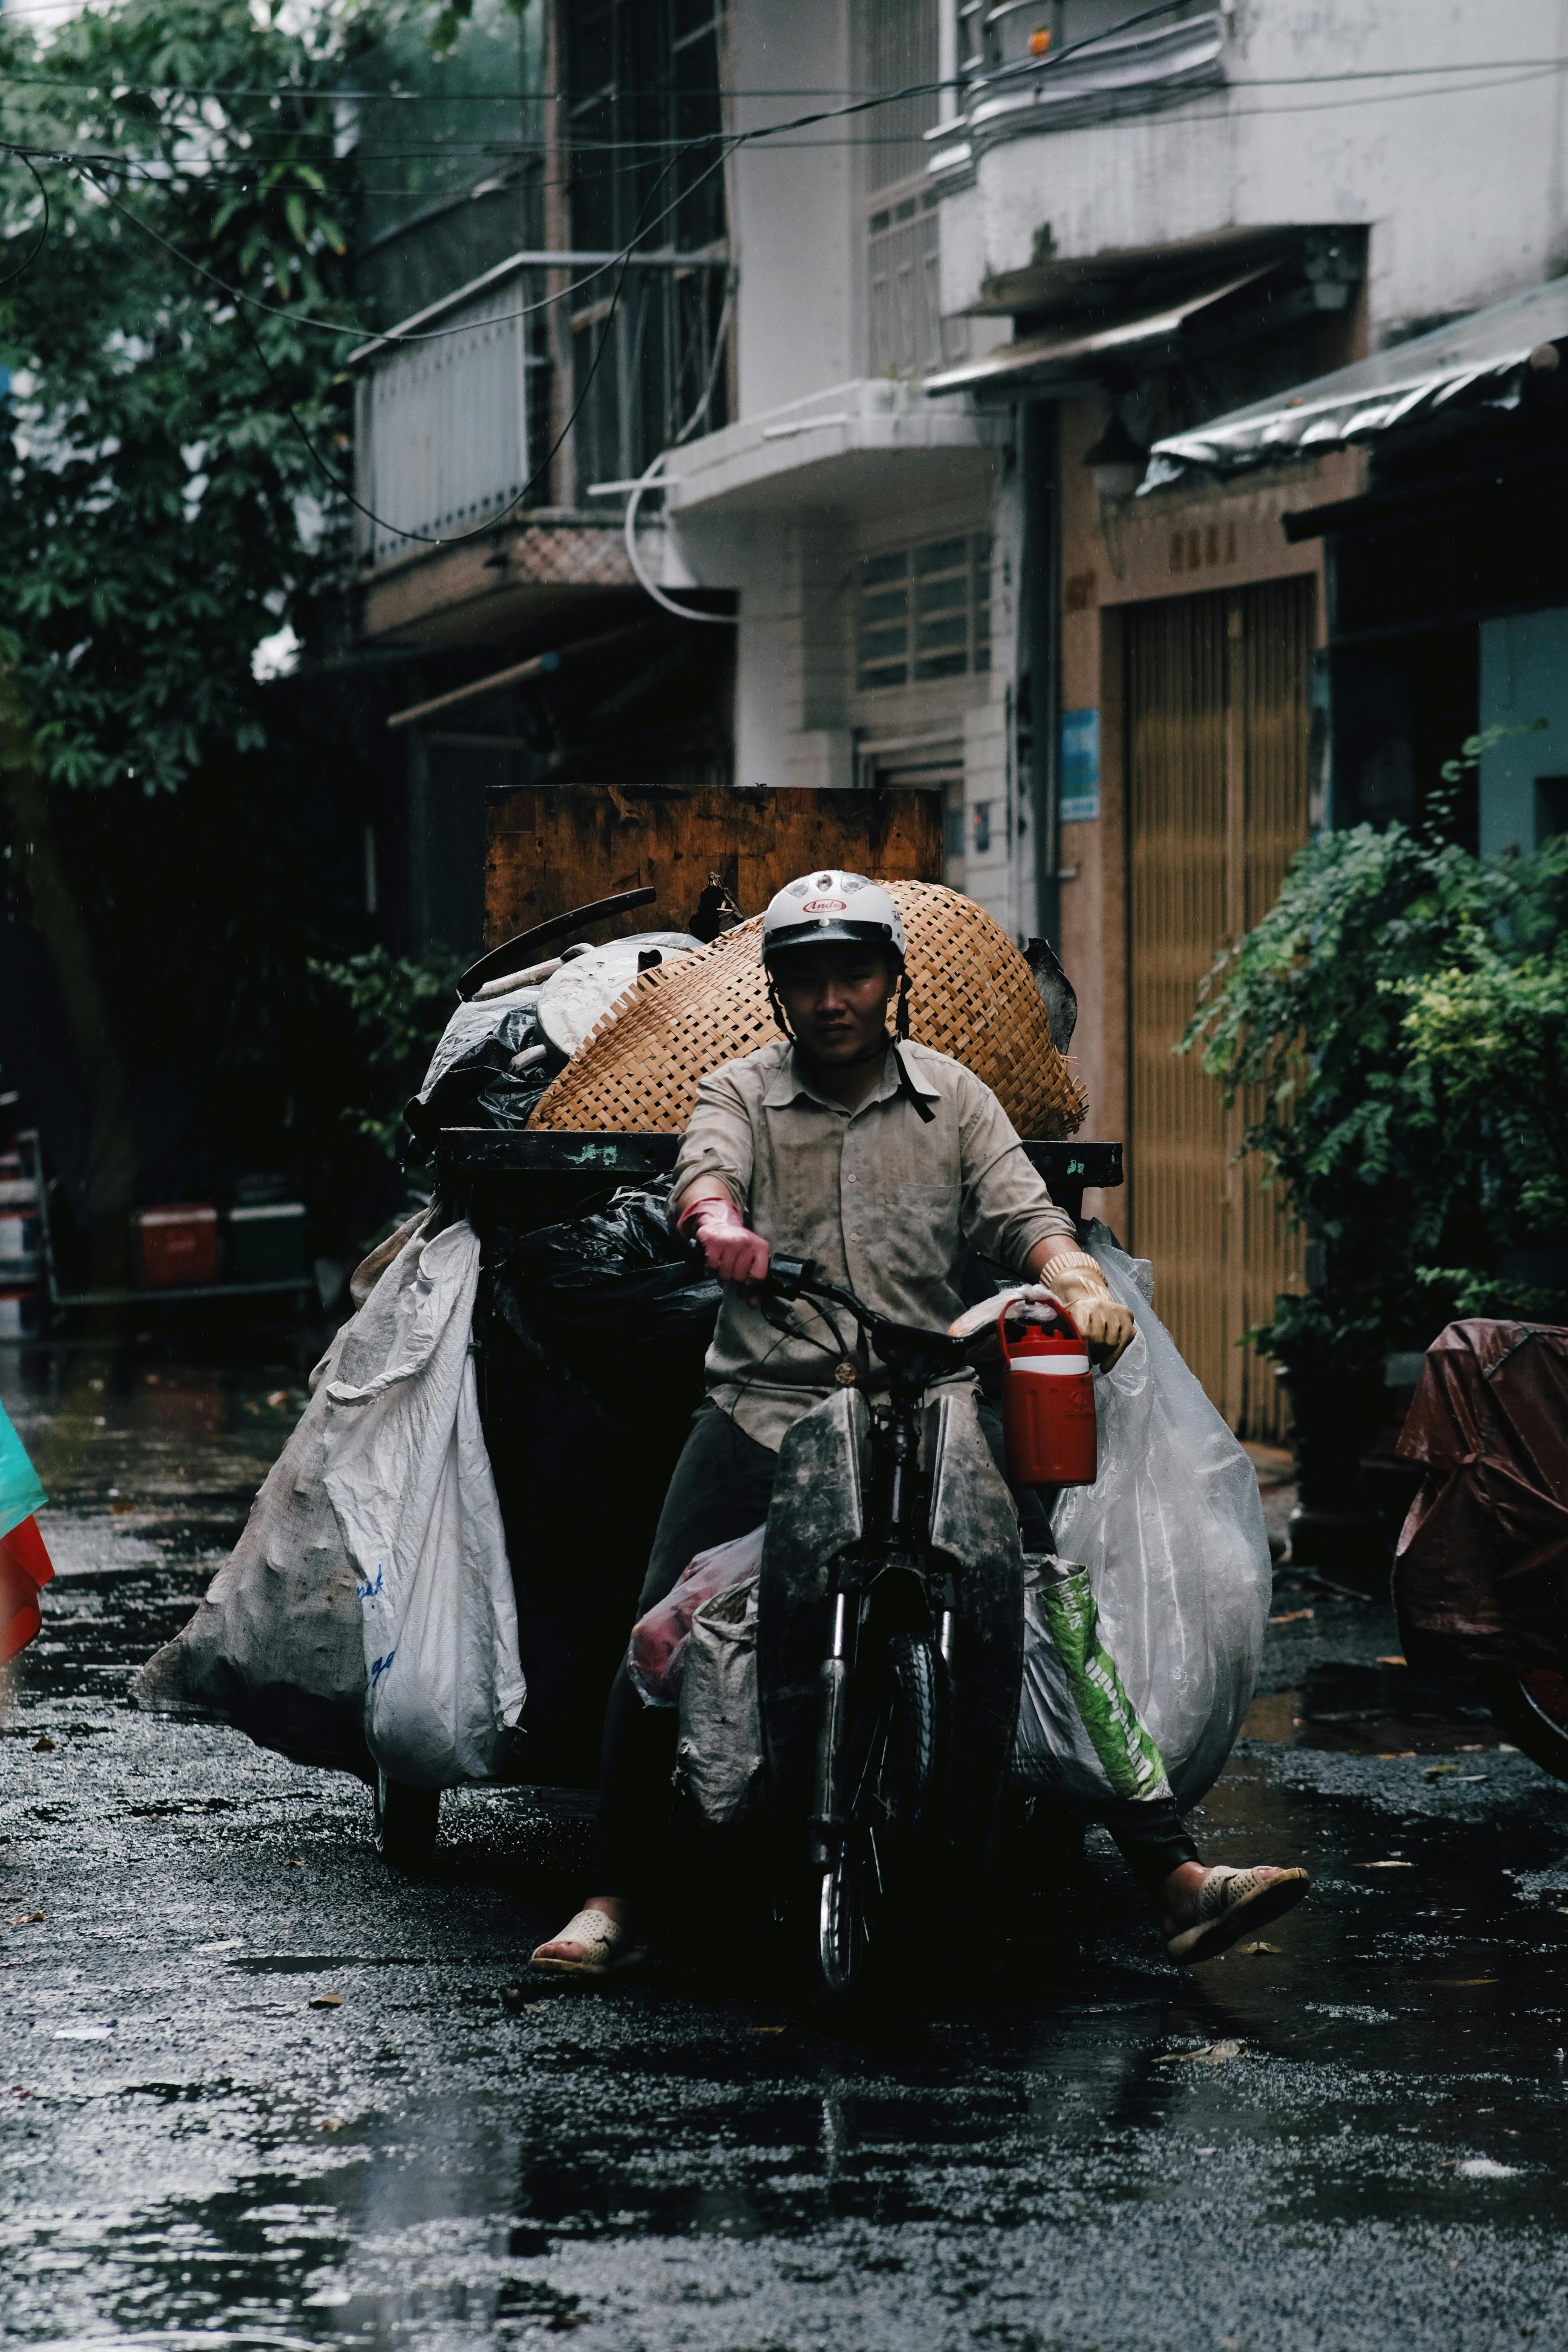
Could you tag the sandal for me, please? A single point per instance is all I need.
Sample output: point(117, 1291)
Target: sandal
point(607, 1947)
point(1230, 1902)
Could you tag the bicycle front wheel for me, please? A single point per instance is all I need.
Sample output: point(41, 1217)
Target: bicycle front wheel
point(888, 1772)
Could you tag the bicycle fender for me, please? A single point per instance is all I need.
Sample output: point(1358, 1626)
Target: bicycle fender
point(974, 1530)
point(818, 1510)
point(973, 1515)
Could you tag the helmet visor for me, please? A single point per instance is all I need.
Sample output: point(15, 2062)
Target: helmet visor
point(831, 932)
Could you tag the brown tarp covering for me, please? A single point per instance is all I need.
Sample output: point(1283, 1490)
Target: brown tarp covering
point(1480, 1573)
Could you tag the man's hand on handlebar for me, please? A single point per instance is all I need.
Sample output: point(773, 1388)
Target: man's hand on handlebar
point(729, 1246)
point(1105, 1326)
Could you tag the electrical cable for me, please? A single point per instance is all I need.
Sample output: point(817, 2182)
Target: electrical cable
point(621, 262)
point(541, 473)
point(729, 143)
point(358, 94)
point(648, 480)
point(95, 169)
point(41, 240)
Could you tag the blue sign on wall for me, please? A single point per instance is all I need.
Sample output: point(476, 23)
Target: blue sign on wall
point(1080, 766)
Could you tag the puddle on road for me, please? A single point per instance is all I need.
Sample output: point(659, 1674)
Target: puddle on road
point(683, 2161)
point(131, 1426)
point(1373, 1710)
point(98, 1626)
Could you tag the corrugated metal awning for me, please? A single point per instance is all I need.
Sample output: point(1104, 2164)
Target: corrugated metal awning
point(1073, 353)
point(1476, 363)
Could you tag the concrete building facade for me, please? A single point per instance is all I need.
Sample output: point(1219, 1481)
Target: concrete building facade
point(1117, 222)
point(900, 462)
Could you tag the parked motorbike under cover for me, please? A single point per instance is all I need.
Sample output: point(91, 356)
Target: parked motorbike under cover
point(1481, 1575)
point(1170, 1629)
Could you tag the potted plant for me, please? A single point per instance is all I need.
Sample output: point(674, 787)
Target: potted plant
point(1399, 1020)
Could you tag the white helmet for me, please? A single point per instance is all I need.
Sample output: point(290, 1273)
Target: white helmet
point(831, 909)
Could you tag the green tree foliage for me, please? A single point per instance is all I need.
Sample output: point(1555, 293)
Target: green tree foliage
point(162, 513)
point(453, 15)
point(399, 1005)
point(183, 842)
point(1403, 1009)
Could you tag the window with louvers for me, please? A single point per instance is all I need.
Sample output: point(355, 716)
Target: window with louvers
point(924, 613)
point(895, 43)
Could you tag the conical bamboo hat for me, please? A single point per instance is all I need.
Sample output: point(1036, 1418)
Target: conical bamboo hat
point(974, 996)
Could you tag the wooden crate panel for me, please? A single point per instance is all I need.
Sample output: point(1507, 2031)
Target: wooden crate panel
point(554, 846)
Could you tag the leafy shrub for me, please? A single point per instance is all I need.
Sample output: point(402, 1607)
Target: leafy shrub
point(400, 1005)
point(1403, 1007)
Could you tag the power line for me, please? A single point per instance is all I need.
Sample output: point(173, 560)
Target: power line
point(1389, 98)
point(95, 168)
point(854, 105)
point(359, 94)
point(541, 473)
point(90, 167)
point(39, 240)
point(729, 144)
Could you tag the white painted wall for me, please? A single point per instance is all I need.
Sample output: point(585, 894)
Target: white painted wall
point(1524, 690)
point(1461, 174)
point(1332, 116)
point(795, 220)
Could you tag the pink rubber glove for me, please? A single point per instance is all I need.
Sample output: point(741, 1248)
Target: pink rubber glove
point(730, 1248)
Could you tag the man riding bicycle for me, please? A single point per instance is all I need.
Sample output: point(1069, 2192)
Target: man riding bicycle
point(886, 1164)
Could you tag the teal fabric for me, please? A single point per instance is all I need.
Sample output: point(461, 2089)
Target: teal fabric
point(20, 1492)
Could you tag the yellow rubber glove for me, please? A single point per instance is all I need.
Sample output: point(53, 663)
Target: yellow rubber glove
point(1105, 1326)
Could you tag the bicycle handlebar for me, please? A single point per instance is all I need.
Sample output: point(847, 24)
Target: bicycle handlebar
point(789, 1278)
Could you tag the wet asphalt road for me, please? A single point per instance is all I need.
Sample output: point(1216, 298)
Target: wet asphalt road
point(1059, 2144)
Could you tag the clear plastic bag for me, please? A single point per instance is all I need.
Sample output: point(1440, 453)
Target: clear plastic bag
point(719, 1757)
point(655, 1658)
point(1172, 1536)
point(277, 1647)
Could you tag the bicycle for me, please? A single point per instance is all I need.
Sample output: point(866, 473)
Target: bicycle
point(918, 1642)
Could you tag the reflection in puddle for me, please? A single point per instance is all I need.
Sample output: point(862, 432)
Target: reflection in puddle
point(1373, 1710)
point(685, 2166)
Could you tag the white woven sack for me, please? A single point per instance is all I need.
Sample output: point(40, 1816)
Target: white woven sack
point(410, 1480)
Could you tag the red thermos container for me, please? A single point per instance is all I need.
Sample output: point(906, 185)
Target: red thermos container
point(1047, 1406)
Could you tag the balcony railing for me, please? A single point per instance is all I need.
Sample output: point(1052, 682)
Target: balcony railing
point(448, 428)
point(452, 417)
point(1024, 71)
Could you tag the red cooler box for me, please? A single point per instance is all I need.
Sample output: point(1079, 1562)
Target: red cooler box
point(174, 1248)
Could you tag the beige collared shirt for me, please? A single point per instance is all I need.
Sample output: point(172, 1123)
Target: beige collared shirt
point(883, 1200)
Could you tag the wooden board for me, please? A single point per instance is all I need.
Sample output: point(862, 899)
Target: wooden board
point(554, 846)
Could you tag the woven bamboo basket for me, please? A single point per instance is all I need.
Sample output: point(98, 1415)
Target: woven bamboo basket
point(973, 997)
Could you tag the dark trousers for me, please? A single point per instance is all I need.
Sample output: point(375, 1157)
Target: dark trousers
point(721, 1490)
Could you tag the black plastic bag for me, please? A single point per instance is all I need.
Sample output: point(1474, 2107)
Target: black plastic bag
point(590, 1336)
point(608, 1301)
point(470, 1081)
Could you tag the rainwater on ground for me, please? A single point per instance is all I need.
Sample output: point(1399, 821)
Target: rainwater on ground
point(258, 2089)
